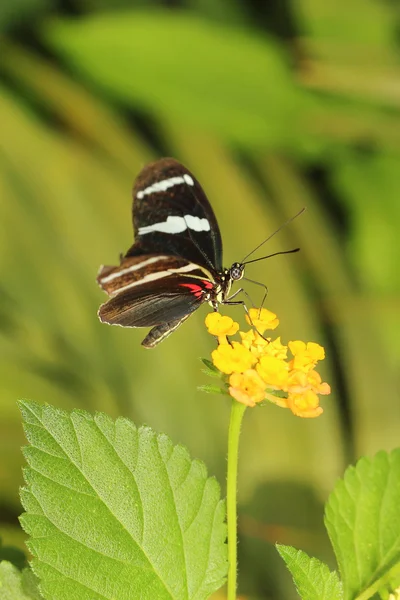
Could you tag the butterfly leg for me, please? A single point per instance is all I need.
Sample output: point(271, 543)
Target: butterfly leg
point(240, 290)
point(236, 303)
point(242, 302)
point(263, 286)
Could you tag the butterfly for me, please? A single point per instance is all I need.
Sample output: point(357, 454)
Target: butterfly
point(175, 264)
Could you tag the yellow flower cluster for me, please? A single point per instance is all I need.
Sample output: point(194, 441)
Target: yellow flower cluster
point(259, 368)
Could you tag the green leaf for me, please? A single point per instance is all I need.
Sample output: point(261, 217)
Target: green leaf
point(363, 521)
point(211, 370)
point(226, 80)
point(118, 512)
point(210, 365)
point(313, 579)
point(211, 373)
point(211, 389)
point(17, 585)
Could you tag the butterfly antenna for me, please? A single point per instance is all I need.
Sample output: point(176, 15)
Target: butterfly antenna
point(271, 236)
point(270, 255)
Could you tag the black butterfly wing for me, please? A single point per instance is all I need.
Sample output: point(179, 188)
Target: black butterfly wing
point(171, 215)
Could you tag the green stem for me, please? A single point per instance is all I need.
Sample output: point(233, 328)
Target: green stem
point(237, 412)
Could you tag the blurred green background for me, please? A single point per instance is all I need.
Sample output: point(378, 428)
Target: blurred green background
point(274, 106)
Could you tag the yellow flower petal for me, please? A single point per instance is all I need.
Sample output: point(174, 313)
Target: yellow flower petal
point(297, 382)
point(247, 388)
point(220, 325)
point(297, 347)
point(232, 358)
point(305, 356)
point(254, 342)
point(275, 372)
point(262, 319)
point(300, 381)
point(275, 348)
point(305, 405)
point(316, 351)
point(324, 389)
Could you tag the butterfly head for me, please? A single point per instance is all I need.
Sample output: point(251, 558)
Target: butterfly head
point(236, 271)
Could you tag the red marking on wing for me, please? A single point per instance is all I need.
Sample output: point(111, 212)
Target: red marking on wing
point(196, 289)
point(208, 284)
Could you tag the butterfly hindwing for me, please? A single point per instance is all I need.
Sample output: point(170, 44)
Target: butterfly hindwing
point(155, 303)
point(160, 332)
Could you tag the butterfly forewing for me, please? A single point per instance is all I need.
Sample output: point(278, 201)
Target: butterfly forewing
point(171, 215)
point(138, 270)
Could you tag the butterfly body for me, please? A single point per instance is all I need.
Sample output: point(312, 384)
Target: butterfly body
point(175, 264)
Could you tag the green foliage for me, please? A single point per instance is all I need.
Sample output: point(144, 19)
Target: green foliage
point(362, 518)
point(116, 512)
point(363, 522)
point(210, 369)
point(17, 585)
point(220, 93)
point(212, 389)
point(313, 579)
